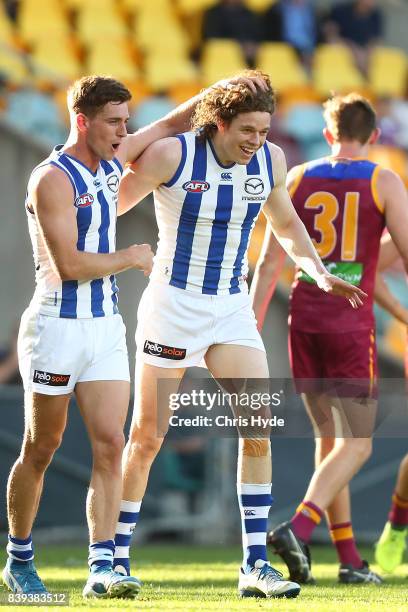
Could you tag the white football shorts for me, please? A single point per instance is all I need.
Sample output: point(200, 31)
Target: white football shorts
point(175, 327)
point(56, 353)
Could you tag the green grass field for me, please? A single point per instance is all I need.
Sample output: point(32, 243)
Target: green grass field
point(186, 578)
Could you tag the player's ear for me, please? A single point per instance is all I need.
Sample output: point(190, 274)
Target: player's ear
point(82, 122)
point(328, 136)
point(221, 126)
point(374, 136)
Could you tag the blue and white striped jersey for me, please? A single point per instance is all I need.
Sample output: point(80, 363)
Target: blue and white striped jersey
point(95, 199)
point(205, 215)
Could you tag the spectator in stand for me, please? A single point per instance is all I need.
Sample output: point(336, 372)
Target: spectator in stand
point(232, 19)
point(293, 22)
point(358, 24)
point(11, 8)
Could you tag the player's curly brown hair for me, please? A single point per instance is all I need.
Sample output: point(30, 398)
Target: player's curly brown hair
point(222, 104)
point(350, 117)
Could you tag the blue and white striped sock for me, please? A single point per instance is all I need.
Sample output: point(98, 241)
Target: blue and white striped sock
point(128, 517)
point(255, 501)
point(101, 554)
point(20, 550)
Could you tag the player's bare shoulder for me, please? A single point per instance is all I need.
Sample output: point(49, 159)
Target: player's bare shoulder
point(49, 183)
point(161, 159)
point(279, 167)
point(276, 152)
point(389, 186)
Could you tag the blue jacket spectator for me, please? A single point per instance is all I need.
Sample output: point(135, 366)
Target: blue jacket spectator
point(358, 24)
point(232, 19)
point(293, 22)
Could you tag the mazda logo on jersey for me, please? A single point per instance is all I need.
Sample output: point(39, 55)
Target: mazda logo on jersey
point(113, 183)
point(196, 186)
point(254, 186)
point(84, 200)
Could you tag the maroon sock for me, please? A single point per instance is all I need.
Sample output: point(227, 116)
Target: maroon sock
point(343, 539)
point(306, 518)
point(398, 515)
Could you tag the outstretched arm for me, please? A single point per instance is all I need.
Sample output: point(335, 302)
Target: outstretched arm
point(388, 301)
point(267, 272)
point(393, 194)
point(382, 295)
point(293, 237)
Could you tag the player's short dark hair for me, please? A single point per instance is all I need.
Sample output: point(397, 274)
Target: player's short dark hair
point(89, 94)
point(350, 117)
point(222, 104)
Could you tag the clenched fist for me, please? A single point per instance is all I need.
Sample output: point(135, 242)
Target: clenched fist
point(141, 257)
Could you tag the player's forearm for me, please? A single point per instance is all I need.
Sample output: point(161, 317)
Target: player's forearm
point(386, 300)
point(83, 266)
point(263, 285)
point(179, 119)
point(298, 245)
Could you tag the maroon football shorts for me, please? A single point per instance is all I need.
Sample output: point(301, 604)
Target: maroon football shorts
point(340, 364)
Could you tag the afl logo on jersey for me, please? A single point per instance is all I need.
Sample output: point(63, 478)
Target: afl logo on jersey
point(84, 200)
point(196, 186)
point(254, 186)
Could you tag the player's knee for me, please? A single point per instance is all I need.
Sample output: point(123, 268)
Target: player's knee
point(145, 447)
point(40, 452)
point(255, 447)
point(108, 450)
point(360, 447)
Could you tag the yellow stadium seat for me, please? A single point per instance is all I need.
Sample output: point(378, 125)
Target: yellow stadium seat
point(13, 67)
point(94, 24)
point(6, 28)
point(99, 5)
point(48, 6)
point(180, 92)
point(193, 6)
point(161, 74)
point(112, 58)
point(221, 58)
point(56, 57)
point(157, 6)
point(390, 157)
point(334, 70)
point(259, 5)
point(280, 61)
point(161, 30)
point(388, 71)
point(34, 25)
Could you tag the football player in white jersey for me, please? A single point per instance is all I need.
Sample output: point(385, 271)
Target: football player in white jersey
point(72, 337)
point(209, 186)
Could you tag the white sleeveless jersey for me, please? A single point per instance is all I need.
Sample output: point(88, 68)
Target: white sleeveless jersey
point(95, 199)
point(205, 215)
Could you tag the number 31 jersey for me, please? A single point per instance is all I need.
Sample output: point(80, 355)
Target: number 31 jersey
point(338, 202)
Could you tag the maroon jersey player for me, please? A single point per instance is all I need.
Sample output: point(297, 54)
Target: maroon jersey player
point(344, 201)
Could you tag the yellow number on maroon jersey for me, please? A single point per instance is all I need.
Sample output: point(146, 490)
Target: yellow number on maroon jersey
point(324, 223)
